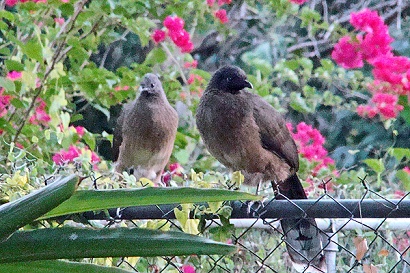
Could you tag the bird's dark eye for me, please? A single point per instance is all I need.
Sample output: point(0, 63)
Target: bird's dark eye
point(152, 85)
point(228, 79)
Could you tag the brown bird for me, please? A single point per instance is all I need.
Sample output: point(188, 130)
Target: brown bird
point(246, 133)
point(145, 132)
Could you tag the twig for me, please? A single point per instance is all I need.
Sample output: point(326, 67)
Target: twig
point(77, 11)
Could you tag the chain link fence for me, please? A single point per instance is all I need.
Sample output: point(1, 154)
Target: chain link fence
point(371, 234)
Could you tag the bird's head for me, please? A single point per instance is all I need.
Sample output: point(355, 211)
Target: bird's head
point(230, 79)
point(151, 85)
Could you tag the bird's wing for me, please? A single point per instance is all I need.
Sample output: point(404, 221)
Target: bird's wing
point(274, 135)
point(117, 139)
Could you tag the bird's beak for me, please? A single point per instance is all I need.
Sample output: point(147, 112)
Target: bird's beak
point(143, 88)
point(248, 84)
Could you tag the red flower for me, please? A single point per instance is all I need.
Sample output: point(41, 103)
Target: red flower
point(221, 15)
point(158, 36)
point(366, 20)
point(366, 110)
point(346, 53)
point(70, 155)
point(174, 23)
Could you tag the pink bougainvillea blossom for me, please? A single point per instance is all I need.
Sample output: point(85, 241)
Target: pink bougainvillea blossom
point(394, 70)
point(194, 77)
point(407, 169)
point(40, 115)
point(310, 142)
point(192, 64)
point(384, 104)
point(14, 75)
point(187, 268)
point(73, 153)
point(158, 36)
point(59, 21)
point(4, 102)
point(299, 2)
point(11, 3)
point(346, 53)
point(221, 15)
point(179, 36)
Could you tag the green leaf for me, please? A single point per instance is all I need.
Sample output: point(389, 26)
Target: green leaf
point(57, 266)
point(156, 56)
point(400, 153)
point(7, 84)
point(33, 50)
point(73, 243)
point(26, 209)
point(404, 178)
point(375, 164)
point(298, 103)
point(7, 15)
point(14, 65)
point(90, 200)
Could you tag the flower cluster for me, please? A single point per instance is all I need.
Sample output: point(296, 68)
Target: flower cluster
point(186, 268)
point(174, 169)
point(73, 154)
point(12, 3)
point(4, 102)
point(220, 13)
point(40, 115)
point(14, 75)
point(299, 2)
point(391, 73)
point(310, 143)
point(177, 33)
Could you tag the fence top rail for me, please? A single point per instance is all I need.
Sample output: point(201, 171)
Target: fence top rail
point(313, 208)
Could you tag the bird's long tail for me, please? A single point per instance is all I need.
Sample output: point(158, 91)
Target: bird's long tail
point(302, 237)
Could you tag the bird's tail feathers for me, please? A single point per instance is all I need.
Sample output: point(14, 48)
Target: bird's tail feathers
point(302, 236)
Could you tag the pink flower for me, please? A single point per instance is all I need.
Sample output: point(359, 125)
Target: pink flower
point(11, 3)
point(40, 115)
point(80, 130)
point(366, 110)
point(65, 1)
point(174, 23)
point(407, 169)
point(158, 36)
point(4, 102)
point(394, 70)
point(221, 15)
point(366, 20)
point(64, 156)
point(188, 47)
point(194, 77)
point(188, 268)
point(346, 53)
point(176, 168)
point(210, 2)
point(14, 75)
point(387, 105)
point(299, 2)
point(70, 155)
point(192, 64)
point(180, 37)
point(221, 2)
point(59, 21)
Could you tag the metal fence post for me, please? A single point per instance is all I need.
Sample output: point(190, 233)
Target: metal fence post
point(331, 247)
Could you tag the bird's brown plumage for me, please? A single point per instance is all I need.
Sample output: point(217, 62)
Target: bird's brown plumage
point(246, 133)
point(145, 132)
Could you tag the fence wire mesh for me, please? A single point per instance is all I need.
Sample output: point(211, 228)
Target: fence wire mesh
point(370, 234)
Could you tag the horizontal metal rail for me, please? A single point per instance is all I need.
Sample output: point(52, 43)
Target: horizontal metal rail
point(321, 208)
